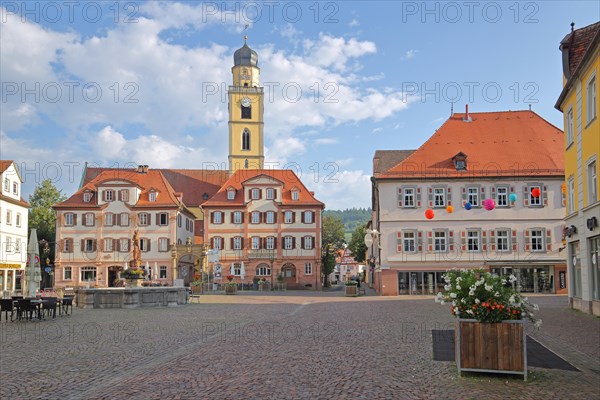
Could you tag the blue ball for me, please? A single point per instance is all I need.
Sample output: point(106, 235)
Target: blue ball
point(512, 197)
point(468, 206)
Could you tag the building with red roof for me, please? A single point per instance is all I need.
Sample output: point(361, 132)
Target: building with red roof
point(485, 190)
point(263, 223)
point(13, 227)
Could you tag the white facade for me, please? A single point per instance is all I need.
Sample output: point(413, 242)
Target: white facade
point(95, 241)
point(14, 217)
point(518, 237)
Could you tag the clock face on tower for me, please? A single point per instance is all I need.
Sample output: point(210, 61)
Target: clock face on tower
point(245, 102)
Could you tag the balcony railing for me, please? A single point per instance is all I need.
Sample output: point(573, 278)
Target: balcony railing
point(262, 254)
point(245, 90)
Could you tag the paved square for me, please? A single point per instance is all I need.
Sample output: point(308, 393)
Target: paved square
point(288, 346)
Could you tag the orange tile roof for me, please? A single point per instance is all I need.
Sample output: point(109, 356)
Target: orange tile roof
point(509, 143)
point(287, 178)
point(193, 183)
point(19, 202)
point(4, 164)
point(153, 179)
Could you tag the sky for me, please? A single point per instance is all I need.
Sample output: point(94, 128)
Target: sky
point(121, 84)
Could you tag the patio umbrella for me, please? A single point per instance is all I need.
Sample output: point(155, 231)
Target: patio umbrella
point(148, 271)
point(33, 274)
point(232, 270)
point(242, 274)
point(125, 266)
point(155, 270)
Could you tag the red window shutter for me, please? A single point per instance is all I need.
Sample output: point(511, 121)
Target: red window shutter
point(242, 243)
point(243, 216)
point(493, 247)
point(274, 243)
point(148, 245)
point(293, 217)
point(430, 197)
point(212, 217)
point(302, 217)
point(398, 242)
point(526, 196)
point(448, 197)
point(94, 245)
point(74, 219)
point(548, 240)
point(62, 245)
point(260, 193)
point(231, 217)
point(274, 217)
point(302, 242)
point(545, 196)
point(157, 219)
point(83, 245)
point(293, 242)
point(103, 244)
point(314, 217)
point(114, 243)
point(464, 195)
point(418, 197)
point(400, 202)
point(231, 243)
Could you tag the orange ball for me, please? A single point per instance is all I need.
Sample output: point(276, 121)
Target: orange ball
point(429, 214)
point(450, 209)
point(564, 188)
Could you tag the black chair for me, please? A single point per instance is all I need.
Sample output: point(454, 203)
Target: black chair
point(49, 304)
point(6, 305)
point(25, 306)
point(67, 302)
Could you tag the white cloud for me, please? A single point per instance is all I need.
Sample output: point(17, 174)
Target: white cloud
point(353, 23)
point(326, 141)
point(410, 54)
point(377, 130)
point(345, 189)
point(283, 151)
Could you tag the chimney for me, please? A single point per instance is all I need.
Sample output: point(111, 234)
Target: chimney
point(467, 116)
point(145, 169)
point(140, 169)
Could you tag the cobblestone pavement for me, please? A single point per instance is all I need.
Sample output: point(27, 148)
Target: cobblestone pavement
point(278, 346)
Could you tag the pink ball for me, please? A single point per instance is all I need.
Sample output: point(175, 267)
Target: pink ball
point(489, 204)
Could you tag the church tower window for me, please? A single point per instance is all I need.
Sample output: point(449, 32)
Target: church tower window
point(246, 139)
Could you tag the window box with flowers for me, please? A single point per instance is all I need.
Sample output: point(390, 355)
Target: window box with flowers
point(351, 289)
point(196, 285)
point(490, 317)
point(263, 285)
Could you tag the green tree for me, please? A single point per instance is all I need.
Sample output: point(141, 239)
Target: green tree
point(357, 244)
point(42, 218)
point(332, 239)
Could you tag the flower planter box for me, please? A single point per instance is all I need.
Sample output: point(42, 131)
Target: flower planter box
point(133, 282)
point(491, 347)
point(264, 288)
point(197, 289)
point(351, 291)
point(230, 289)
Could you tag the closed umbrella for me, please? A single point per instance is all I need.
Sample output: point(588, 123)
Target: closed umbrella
point(242, 274)
point(155, 270)
point(33, 274)
point(232, 270)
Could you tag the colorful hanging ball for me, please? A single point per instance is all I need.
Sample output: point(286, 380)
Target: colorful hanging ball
point(512, 197)
point(489, 204)
point(468, 206)
point(564, 188)
point(429, 214)
point(535, 192)
point(450, 209)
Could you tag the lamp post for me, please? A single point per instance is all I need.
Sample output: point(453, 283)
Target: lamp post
point(372, 241)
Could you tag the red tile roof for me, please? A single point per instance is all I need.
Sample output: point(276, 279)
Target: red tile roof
point(19, 202)
point(4, 164)
point(287, 178)
point(152, 180)
point(193, 183)
point(509, 143)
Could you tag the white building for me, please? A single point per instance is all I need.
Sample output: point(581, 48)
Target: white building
point(95, 227)
point(13, 227)
point(472, 158)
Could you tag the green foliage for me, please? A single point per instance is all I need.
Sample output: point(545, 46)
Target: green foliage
point(42, 217)
point(352, 218)
point(357, 244)
point(333, 232)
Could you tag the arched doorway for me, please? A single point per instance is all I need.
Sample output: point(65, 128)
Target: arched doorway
point(188, 266)
point(113, 274)
point(289, 275)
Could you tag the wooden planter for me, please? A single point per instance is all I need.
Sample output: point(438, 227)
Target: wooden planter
point(197, 289)
point(351, 291)
point(230, 289)
point(491, 347)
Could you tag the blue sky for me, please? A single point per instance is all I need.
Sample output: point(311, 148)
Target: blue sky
point(385, 73)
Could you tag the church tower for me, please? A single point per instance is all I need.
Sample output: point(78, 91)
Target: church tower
point(246, 109)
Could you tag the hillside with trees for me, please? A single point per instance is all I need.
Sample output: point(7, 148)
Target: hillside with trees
point(352, 218)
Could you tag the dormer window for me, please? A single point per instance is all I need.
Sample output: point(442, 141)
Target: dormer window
point(230, 194)
point(153, 196)
point(205, 196)
point(295, 195)
point(460, 161)
point(87, 196)
point(270, 194)
point(255, 194)
point(109, 195)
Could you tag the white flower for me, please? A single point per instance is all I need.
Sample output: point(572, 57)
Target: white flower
point(536, 307)
point(442, 301)
point(447, 287)
point(458, 279)
point(497, 294)
point(471, 292)
point(511, 300)
point(458, 287)
point(452, 295)
point(440, 295)
point(488, 288)
point(470, 312)
point(477, 301)
point(512, 278)
point(538, 323)
point(453, 303)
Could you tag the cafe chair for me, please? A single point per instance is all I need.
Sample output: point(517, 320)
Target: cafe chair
point(24, 306)
point(67, 302)
point(6, 305)
point(50, 304)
